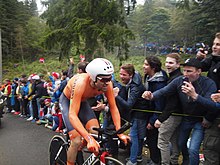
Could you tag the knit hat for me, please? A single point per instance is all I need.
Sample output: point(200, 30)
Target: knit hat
point(55, 74)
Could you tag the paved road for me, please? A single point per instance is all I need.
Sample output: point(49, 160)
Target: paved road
point(25, 143)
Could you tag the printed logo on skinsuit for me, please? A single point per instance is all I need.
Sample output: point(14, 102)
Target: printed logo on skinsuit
point(73, 88)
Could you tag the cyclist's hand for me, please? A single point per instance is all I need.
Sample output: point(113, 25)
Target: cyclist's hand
point(92, 144)
point(124, 138)
point(83, 144)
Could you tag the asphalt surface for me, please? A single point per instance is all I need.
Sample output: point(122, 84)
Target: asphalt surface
point(26, 143)
point(23, 142)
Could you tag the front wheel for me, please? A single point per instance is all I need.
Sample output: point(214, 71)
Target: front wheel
point(57, 151)
point(108, 161)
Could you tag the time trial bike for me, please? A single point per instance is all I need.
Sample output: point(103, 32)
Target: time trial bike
point(58, 148)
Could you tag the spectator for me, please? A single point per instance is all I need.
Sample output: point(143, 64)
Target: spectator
point(53, 91)
point(31, 92)
point(168, 125)
point(57, 118)
point(46, 111)
point(8, 94)
point(14, 99)
point(40, 91)
point(134, 88)
point(24, 94)
point(81, 67)
point(155, 78)
point(71, 68)
point(212, 134)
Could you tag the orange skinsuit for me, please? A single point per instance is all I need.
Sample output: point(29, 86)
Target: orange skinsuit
point(79, 89)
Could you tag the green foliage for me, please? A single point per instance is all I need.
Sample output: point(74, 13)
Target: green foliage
point(14, 21)
point(156, 28)
point(182, 22)
point(86, 25)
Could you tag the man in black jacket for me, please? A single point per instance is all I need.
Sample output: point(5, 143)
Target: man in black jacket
point(39, 92)
point(211, 64)
point(167, 124)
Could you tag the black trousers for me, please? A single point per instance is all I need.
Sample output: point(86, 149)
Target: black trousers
point(17, 105)
point(9, 104)
point(152, 138)
point(35, 109)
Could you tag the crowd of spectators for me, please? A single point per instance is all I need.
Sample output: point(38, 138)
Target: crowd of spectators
point(37, 100)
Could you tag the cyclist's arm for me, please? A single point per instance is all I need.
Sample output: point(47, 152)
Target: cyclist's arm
point(113, 108)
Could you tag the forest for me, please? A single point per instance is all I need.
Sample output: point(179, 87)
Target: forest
point(96, 28)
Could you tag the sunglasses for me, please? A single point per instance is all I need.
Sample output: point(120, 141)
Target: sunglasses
point(104, 80)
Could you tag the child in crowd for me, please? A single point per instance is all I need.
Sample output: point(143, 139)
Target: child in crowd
point(53, 116)
point(46, 112)
point(57, 118)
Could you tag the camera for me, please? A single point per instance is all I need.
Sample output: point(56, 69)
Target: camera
point(203, 49)
point(185, 79)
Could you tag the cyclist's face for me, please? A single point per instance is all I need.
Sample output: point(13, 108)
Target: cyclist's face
point(102, 82)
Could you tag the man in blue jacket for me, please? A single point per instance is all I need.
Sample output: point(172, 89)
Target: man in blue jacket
point(192, 100)
point(127, 100)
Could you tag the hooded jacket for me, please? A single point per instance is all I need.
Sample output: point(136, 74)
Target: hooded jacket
point(158, 81)
point(131, 98)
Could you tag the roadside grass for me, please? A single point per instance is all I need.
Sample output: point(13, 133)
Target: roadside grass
point(52, 64)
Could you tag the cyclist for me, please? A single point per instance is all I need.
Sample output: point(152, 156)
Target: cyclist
point(78, 116)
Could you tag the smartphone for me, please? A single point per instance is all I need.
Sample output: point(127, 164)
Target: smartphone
point(185, 79)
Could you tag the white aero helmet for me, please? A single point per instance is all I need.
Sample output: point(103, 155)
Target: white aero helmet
point(99, 66)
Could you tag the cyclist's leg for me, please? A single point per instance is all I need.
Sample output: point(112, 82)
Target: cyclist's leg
point(85, 119)
point(75, 138)
point(75, 143)
point(93, 123)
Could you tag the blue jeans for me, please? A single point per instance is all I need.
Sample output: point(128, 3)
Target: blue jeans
point(55, 123)
point(195, 129)
point(30, 109)
point(137, 134)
